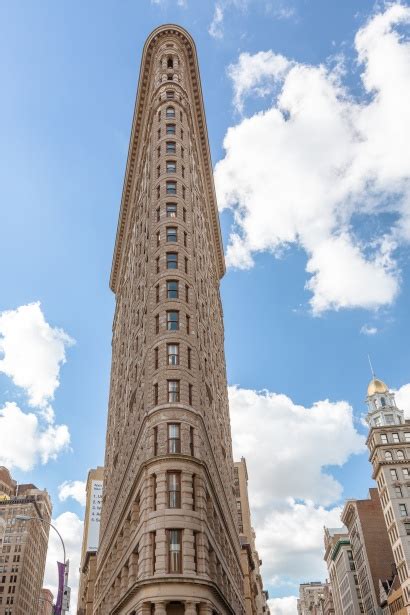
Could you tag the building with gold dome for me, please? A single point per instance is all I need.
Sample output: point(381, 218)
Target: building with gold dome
point(389, 445)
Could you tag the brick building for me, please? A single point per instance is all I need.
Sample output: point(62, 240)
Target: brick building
point(23, 545)
point(169, 541)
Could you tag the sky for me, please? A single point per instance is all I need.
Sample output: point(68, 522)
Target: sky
point(309, 127)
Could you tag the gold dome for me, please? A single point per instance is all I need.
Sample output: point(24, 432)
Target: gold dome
point(376, 386)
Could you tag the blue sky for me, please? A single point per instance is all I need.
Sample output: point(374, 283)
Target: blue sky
point(295, 194)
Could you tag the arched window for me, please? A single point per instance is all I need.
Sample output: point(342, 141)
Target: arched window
point(388, 456)
point(400, 455)
point(170, 63)
point(170, 112)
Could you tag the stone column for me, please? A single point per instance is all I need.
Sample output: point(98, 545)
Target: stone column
point(190, 608)
point(160, 608)
point(205, 609)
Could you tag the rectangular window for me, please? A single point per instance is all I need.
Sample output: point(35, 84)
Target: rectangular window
point(187, 293)
point(158, 239)
point(195, 551)
point(157, 324)
point(171, 210)
point(407, 436)
point(174, 490)
point(156, 355)
point(154, 491)
point(393, 474)
point(183, 192)
point(184, 214)
point(403, 510)
point(157, 264)
point(182, 133)
point(172, 289)
point(193, 491)
point(157, 293)
point(171, 187)
point(170, 94)
point(172, 320)
point(159, 133)
point(171, 166)
point(174, 438)
point(186, 264)
point(174, 551)
point(396, 438)
point(189, 357)
point(383, 438)
point(398, 492)
point(156, 394)
point(185, 238)
point(159, 151)
point(407, 528)
point(170, 113)
point(406, 473)
point(172, 234)
point(172, 260)
point(158, 170)
point(158, 191)
point(173, 391)
point(190, 394)
point(171, 147)
point(155, 441)
point(183, 171)
point(188, 325)
point(152, 536)
point(158, 214)
point(173, 354)
point(171, 129)
point(182, 152)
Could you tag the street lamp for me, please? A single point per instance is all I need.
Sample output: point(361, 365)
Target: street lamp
point(29, 518)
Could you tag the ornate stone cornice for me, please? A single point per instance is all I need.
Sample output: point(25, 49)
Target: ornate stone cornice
point(137, 144)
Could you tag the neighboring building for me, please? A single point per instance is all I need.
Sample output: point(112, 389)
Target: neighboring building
point(328, 606)
point(255, 596)
point(311, 598)
point(92, 517)
point(169, 536)
point(46, 602)
point(371, 548)
point(23, 546)
point(342, 572)
point(389, 445)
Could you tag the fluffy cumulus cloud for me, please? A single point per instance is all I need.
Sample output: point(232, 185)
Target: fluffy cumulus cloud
point(72, 489)
point(216, 27)
point(25, 442)
point(403, 399)
point(288, 450)
point(70, 527)
point(306, 169)
point(283, 606)
point(32, 352)
point(31, 355)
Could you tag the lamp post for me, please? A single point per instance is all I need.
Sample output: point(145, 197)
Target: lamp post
point(29, 518)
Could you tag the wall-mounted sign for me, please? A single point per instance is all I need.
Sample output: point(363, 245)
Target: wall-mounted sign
point(94, 515)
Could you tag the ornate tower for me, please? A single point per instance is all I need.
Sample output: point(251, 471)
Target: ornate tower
point(389, 445)
point(169, 538)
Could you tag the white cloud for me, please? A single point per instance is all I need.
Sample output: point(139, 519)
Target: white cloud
point(288, 446)
point(215, 27)
point(25, 441)
point(33, 352)
point(368, 330)
point(288, 450)
point(283, 606)
point(72, 489)
point(70, 527)
point(403, 399)
point(306, 169)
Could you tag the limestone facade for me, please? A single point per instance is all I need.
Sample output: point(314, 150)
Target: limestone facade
point(23, 545)
point(169, 536)
point(311, 598)
point(342, 572)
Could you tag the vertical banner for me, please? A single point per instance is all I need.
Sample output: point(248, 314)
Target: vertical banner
point(61, 580)
point(94, 515)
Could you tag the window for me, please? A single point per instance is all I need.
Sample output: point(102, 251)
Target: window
point(172, 320)
point(156, 394)
point(184, 218)
point(157, 324)
point(158, 239)
point(183, 171)
point(406, 473)
point(170, 63)
point(195, 551)
point(183, 192)
point(191, 441)
point(172, 260)
point(398, 492)
point(174, 490)
point(187, 293)
point(403, 510)
point(393, 474)
point(188, 325)
point(159, 133)
point(388, 456)
point(170, 147)
point(172, 234)
point(157, 293)
point(159, 151)
point(400, 455)
point(383, 438)
point(193, 491)
point(189, 357)
point(159, 115)
point(174, 438)
point(172, 289)
point(171, 129)
point(190, 394)
point(170, 113)
point(171, 187)
point(158, 191)
point(155, 440)
point(170, 94)
point(171, 210)
point(158, 214)
point(173, 354)
point(182, 152)
point(395, 437)
point(407, 528)
point(185, 238)
point(154, 491)
point(171, 166)
point(156, 355)
point(157, 264)
point(174, 551)
point(158, 170)
point(173, 391)
point(186, 264)
point(152, 537)
point(383, 402)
